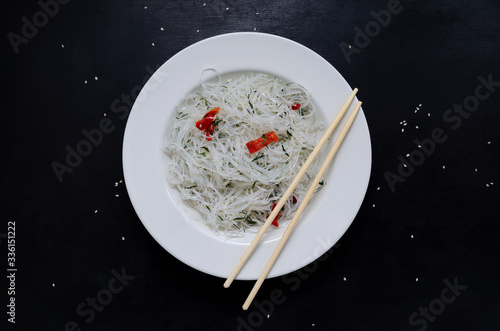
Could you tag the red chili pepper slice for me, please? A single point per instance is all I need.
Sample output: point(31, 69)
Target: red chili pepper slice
point(207, 119)
point(259, 143)
point(206, 123)
point(296, 106)
point(275, 221)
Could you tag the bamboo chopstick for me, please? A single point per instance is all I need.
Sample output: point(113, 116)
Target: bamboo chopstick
point(301, 208)
point(290, 189)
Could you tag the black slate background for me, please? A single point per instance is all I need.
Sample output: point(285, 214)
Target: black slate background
point(431, 54)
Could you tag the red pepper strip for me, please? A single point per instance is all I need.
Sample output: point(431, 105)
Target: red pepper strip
point(275, 221)
point(259, 143)
point(207, 119)
point(296, 106)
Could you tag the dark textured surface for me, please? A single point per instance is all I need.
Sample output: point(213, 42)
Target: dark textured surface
point(440, 225)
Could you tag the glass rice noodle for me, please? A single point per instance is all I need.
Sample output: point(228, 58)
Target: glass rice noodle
point(233, 189)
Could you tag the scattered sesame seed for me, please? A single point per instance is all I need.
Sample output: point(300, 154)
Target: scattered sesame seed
point(145, 7)
point(489, 142)
point(350, 46)
point(62, 45)
point(491, 183)
point(378, 188)
point(53, 285)
point(153, 44)
point(408, 155)
point(415, 111)
point(104, 114)
point(255, 29)
point(418, 108)
point(404, 165)
point(96, 78)
point(256, 13)
point(419, 146)
point(487, 185)
point(123, 238)
point(373, 205)
point(121, 181)
point(405, 124)
point(416, 279)
point(95, 211)
point(85, 81)
point(402, 130)
point(312, 324)
point(345, 279)
point(420, 105)
point(444, 166)
point(116, 184)
point(411, 236)
point(227, 8)
point(268, 315)
point(197, 30)
point(475, 170)
point(428, 114)
point(416, 127)
point(204, 4)
point(162, 29)
point(117, 195)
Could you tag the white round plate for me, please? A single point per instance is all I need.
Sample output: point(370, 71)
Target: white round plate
point(176, 226)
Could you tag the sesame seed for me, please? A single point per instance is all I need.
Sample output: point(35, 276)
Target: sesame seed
point(227, 8)
point(53, 285)
point(411, 236)
point(475, 170)
point(402, 130)
point(416, 127)
point(444, 167)
point(123, 238)
point(420, 105)
point(345, 279)
point(378, 188)
point(373, 205)
point(416, 279)
point(487, 185)
point(404, 165)
point(121, 181)
point(162, 29)
point(117, 195)
point(145, 7)
point(104, 114)
point(419, 146)
point(95, 211)
point(489, 142)
point(268, 315)
point(153, 44)
point(96, 78)
point(85, 81)
point(408, 155)
point(62, 45)
point(428, 114)
point(116, 184)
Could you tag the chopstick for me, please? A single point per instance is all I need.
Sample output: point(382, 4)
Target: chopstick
point(290, 189)
point(302, 206)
